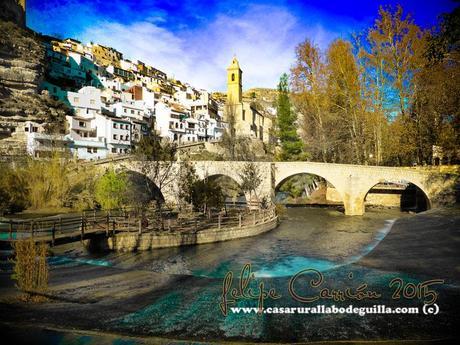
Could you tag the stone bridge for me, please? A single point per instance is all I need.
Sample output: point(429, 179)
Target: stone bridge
point(352, 182)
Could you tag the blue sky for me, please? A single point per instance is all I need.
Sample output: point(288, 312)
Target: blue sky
point(195, 40)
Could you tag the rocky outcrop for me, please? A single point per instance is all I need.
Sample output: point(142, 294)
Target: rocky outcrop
point(22, 69)
point(12, 11)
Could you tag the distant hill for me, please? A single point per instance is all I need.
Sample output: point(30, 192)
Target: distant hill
point(265, 97)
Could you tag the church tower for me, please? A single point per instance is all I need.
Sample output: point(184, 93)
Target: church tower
point(234, 83)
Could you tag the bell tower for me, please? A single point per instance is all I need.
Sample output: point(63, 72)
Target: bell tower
point(234, 83)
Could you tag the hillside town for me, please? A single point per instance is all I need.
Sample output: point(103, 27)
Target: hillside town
point(115, 101)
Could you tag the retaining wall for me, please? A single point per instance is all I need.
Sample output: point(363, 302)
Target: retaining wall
point(131, 241)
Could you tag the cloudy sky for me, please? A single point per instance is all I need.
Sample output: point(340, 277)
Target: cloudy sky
point(194, 41)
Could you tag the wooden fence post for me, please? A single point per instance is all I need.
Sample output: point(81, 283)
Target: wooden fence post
point(53, 234)
point(82, 231)
point(108, 225)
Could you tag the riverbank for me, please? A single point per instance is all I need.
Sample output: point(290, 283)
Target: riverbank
point(426, 244)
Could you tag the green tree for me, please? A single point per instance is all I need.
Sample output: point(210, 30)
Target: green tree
point(206, 194)
point(291, 145)
point(111, 189)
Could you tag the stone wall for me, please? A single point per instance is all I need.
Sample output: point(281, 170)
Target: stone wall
point(146, 241)
point(383, 199)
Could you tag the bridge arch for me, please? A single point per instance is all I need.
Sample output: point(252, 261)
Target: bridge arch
point(338, 197)
point(285, 170)
point(142, 188)
point(231, 187)
point(419, 191)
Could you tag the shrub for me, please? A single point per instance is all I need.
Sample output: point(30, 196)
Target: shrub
point(30, 266)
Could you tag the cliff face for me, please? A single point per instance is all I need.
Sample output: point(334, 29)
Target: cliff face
point(22, 67)
point(12, 11)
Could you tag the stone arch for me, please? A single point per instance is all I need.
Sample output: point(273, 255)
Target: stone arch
point(206, 169)
point(144, 188)
point(283, 178)
point(410, 180)
point(285, 170)
point(241, 197)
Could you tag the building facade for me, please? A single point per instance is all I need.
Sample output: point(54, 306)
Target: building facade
point(248, 120)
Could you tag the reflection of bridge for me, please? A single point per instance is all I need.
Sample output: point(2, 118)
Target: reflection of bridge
point(352, 182)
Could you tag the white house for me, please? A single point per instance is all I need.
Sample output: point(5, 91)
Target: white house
point(117, 133)
point(171, 122)
point(39, 143)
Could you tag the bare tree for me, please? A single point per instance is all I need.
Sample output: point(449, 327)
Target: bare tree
point(156, 160)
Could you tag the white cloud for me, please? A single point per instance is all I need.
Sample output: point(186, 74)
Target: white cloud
point(263, 38)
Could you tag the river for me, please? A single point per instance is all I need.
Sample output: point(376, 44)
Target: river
point(186, 304)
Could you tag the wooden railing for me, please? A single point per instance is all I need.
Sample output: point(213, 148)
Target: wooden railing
point(80, 226)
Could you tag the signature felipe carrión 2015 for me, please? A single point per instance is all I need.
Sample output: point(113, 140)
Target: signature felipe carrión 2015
point(249, 288)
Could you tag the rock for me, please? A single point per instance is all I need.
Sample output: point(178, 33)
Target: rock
point(22, 69)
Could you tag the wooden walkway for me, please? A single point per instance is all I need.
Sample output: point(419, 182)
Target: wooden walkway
point(70, 228)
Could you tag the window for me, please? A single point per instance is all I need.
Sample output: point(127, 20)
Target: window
point(114, 150)
point(138, 112)
point(76, 99)
point(127, 138)
point(34, 129)
point(82, 124)
point(233, 76)
point(89, 150)
point(124, 110)
point(92, 102)
point(244, 114)
point(115, 137)
point(26, 129)
point(115, 125)
point(120, 150)
point(94, 149)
